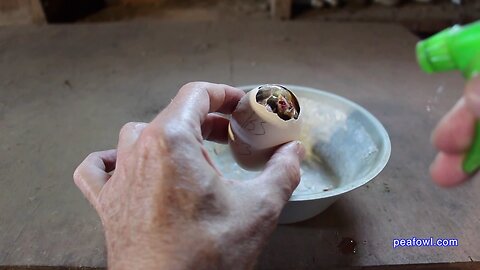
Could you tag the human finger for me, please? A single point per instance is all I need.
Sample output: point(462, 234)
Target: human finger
point(92, 174)
point(455, 131)
point(446, 170)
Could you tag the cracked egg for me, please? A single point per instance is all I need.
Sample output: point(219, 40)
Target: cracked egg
point(265, 118)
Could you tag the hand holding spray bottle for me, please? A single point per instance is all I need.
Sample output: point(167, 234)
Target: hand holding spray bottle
point(455, 48)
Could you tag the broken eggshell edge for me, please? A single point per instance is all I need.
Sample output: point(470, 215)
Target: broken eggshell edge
point(255, 133)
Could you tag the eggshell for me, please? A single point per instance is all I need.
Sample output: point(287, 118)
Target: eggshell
point(255, 133)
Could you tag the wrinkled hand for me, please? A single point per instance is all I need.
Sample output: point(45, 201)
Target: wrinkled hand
point(164, 205)
point(453, 137)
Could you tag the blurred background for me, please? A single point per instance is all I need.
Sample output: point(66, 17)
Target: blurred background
point(422, 17)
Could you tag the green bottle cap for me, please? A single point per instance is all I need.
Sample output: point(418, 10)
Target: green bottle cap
point(433, 54)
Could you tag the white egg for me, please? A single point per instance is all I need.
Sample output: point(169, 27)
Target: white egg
point(257, 129)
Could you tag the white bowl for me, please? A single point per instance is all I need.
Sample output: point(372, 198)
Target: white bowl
point(346, 148)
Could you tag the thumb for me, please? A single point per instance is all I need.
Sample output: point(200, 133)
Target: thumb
point(472, 95)
point(282, 172)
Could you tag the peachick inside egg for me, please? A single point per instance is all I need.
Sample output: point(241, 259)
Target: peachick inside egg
point(278, 99)
point(265, 118)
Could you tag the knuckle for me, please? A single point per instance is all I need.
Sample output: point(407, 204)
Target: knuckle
point(149, 139)
point(92, 157)
point(173, 134)
point(150, 132)
point(93, 154)
point(270, 207)
point(166, 138)
point(189, 85)
point(194, 87)
point(77, 175)
point(128, 127)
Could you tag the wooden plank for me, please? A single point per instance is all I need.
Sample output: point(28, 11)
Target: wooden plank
point(61, 100)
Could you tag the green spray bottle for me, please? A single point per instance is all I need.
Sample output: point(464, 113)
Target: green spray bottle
point(455, 48)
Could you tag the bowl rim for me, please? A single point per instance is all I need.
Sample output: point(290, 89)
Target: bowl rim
point(384, 154)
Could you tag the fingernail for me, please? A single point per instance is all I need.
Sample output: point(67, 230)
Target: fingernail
point(300, 150)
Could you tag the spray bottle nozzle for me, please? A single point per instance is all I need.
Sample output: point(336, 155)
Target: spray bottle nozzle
point(433, 54)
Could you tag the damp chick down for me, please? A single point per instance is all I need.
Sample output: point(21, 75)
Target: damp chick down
point(279, 100)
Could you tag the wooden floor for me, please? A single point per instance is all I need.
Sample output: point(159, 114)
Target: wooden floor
point(66, 90)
